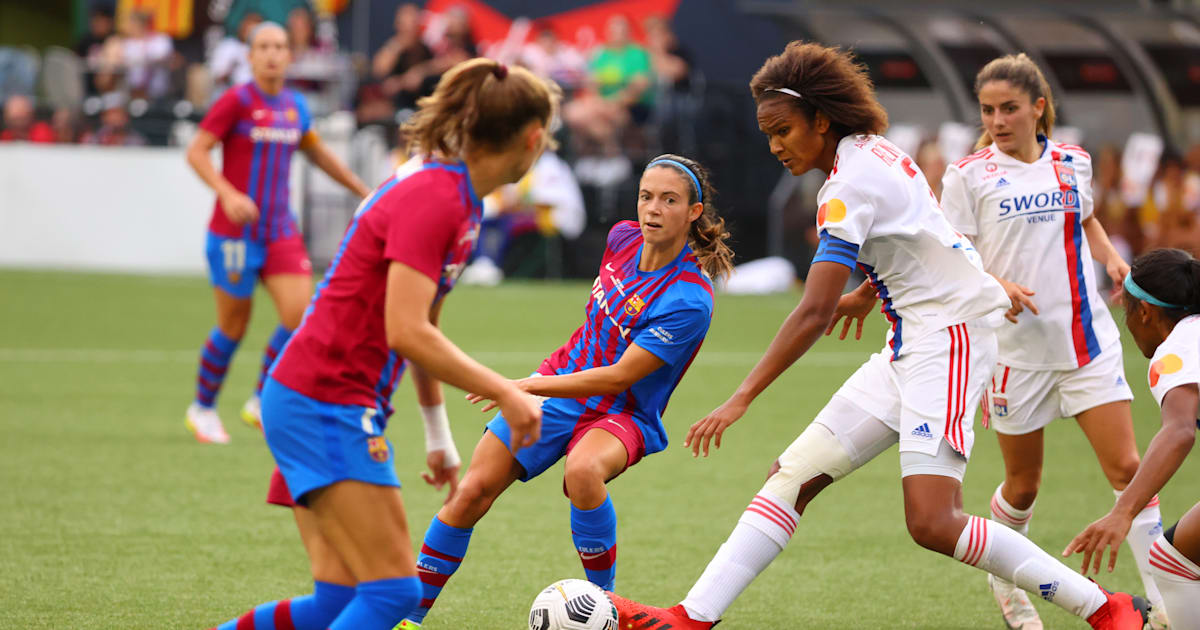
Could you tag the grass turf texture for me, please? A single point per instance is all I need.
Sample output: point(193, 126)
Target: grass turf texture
point(114, 517)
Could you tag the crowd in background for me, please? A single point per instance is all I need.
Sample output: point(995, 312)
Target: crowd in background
point(133, 74)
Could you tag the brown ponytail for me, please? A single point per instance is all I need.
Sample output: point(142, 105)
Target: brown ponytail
point(707, 235)
point(479, 103)
point(1022, 73)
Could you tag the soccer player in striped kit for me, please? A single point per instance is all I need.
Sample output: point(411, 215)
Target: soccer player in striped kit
point(253, 234)
point(1023, 197)
point(327, 398)
point(1162, 313)
point(818, 109)
point(606, 388)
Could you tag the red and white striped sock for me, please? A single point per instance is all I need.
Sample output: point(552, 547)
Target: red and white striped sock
point(1143, 531)
point(1004, 513)
point(1006, 554)
point(761, 533)
point(1178, 580)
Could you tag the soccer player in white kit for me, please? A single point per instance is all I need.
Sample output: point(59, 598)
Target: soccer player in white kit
point(1162, 313)
point(1025, 202)
point(818, 110)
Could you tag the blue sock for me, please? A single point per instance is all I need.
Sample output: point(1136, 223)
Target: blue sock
point(278, 339)
point(214, 362)
point(441, 553)
point(379, 605)
point(310, 612)
point(595, 535)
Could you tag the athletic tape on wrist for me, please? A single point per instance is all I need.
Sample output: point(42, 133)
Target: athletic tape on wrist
point(437, 433)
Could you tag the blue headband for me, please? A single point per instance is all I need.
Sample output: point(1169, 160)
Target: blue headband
point(1133, 289)
point(681, 166)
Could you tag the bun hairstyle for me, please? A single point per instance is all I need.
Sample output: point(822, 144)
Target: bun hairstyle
point(480, 103)
point(1022, 73)
point(1170, 276)
point(821, 78)
point(707, 235)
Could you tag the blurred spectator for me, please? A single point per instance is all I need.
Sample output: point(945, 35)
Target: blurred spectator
point(18, 71)
point(449, 37)
point(19, 124)
point(549, 56)
point(276, 11)
point(90, 47)
point(114, 128)
point(65, 124)
point(672, 63)
point(620, 82)
point(1172, 204)
point(1118, 220)
point(932, 164)
point(398, 65)
point(145, 55)
point(230, 60)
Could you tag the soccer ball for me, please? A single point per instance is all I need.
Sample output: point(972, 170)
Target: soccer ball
point(572, 605)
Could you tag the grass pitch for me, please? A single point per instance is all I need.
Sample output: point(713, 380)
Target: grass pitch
point(114, 517)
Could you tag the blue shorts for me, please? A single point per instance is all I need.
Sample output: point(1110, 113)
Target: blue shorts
point(564, 423)
point(317, 444)
point(234, 263)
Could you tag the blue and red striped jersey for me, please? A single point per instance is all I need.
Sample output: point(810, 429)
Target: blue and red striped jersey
point(259, 133)
point(666, 312)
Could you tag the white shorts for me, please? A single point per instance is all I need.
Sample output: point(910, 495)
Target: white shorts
point(929, 395)
point(1022, 401)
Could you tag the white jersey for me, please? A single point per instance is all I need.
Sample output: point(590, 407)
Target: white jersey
point(877, 211)
point(1177, 360)
point(1026, 221)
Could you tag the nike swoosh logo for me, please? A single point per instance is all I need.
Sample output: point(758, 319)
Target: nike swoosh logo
point(618, 424)
point(608, 266)
point(593, 556)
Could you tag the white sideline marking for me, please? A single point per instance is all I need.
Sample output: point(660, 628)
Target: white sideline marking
point(707, 358)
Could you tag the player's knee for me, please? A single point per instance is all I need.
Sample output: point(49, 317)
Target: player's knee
point(811, 463)
point(1021, 492)
point(472, 500)
point(1124, 470)
point(933, 529)
point(583, 477)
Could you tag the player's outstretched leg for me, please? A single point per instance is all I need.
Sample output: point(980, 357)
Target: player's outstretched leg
point(491, 472)
point(310, 612)
point(933, 511)
point(1175, 565)
point(252, 410)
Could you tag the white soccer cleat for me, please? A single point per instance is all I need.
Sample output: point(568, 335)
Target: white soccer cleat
point(1018, 611)
point(1158, 618)
point(206, 425)
point(252, 413)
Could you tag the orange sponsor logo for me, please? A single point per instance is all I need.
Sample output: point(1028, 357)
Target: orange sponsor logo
point(1169, 364)
point(833, 211)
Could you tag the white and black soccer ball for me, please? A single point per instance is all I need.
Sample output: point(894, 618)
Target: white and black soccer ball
point(572, 605)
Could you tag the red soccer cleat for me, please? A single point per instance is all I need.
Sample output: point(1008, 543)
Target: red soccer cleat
point(1122, 611)
point(634, 616)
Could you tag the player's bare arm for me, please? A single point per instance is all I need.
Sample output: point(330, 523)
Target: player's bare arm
point(799, 332)
point(1104, 252)
point(239, 207)
point(319, 154)
point(1164, 456)
point(410, 295)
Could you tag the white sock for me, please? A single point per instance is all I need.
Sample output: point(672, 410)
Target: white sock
point(1179, 582)
point(1006, 554)
point(1145, 529)
point(1004, 513)
point(761, 533)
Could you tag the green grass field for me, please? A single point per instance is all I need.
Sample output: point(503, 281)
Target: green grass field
point(112, 516)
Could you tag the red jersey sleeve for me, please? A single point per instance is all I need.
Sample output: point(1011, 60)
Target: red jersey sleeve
point(422, 231)
point(222, 115)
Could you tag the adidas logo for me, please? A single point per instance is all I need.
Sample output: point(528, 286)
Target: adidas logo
point(1048, 591)
point(923, 431)
point(1120, 380)
point(1001, 182)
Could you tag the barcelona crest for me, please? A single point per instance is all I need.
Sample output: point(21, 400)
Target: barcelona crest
point(378, 448)
point(634, 305)
point(234, 276)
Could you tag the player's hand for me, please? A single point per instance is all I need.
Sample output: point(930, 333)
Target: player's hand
point(239, 208)
point(854, 307)
point(713, 427)
point(521, 383)
point(1019, 296)
point(1117, 269)
point(523, 413)
point(1106, 532)
point(440, 474)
